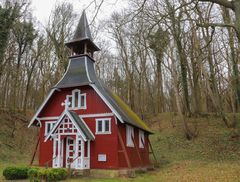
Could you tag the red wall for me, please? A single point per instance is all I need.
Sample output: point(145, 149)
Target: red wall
point(45, 148)
point(132, 151)
point(104, 143)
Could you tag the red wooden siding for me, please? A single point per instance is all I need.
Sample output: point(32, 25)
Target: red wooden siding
point(45, 148)
point(132, 151)
point(103, 144)
point(94, 102)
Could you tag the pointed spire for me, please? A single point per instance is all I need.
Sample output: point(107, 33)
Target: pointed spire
point(82, 30)
point(82, 39)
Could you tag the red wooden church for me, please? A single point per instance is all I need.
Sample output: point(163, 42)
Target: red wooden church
point(82, 123)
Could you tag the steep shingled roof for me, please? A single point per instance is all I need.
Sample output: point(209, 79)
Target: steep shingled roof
point(131, 114)
point(82, 30)
point(82, 125)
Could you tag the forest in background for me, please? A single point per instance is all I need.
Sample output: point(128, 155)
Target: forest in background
point(177, 56)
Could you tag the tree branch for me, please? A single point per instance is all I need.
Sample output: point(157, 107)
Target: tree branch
point(225, 3)
point(206, 25)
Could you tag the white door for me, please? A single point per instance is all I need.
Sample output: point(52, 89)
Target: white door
point(70, 152)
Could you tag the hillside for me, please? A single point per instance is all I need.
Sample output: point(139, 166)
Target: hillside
point(213, 156)
point(16, 140)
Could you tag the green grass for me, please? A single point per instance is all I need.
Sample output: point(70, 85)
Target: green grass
point(184, 171)
point(213, 156)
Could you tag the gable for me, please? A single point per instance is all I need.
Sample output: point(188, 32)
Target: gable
point(52, 107)
point(68, 124)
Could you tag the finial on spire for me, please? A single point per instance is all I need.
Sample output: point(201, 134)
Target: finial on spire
point(66, 104)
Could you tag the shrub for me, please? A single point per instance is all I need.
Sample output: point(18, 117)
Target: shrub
point(49, 175)
point(56, 174)
point(33, 174)
point(11, 173)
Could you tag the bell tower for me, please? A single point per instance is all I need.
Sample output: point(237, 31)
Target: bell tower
point(82, 42)
point(81, 70)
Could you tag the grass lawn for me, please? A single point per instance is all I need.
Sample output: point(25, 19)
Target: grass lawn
point(213, 156)
point(185, 171)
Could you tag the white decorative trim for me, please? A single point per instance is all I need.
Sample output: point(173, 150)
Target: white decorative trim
point(86, 68)
point(82, 154)
point(80, 131)
point(65, 72)
point(59, 150)
point(115, 120)
point(103, 126)
point(40, 123)
point(48, 118)
point(96, 115)
point(81, 116)
point(41, 107)
point(59, 120)
point(51, 123)
point(88, 151)
point(106, 102)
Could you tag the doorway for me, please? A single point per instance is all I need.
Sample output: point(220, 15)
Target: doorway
point(70, 151)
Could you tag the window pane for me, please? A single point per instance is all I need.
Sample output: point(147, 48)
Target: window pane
point(76, 95)
point(107, 125)
point(99, 126)
point(83, 100)
point(130, 135)
point(48, 127)
point(70, 101)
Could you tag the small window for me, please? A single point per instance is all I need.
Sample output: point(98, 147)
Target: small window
point(141, 139)
point(107, 123)
point(103, 126)
point(99, 126)
point(130, 136)
point(70, 100)
point(77, 100)
point(83, 101)
point(48, 127)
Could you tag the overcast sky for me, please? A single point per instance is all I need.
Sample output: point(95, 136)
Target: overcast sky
point(43, 8)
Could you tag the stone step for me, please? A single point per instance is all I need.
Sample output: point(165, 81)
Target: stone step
point(79, 173)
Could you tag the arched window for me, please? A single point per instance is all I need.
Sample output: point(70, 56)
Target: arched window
point(77, 100)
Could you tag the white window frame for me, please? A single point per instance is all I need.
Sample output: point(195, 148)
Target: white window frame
point(73, 99)
point(129, 136)
point(51, 123)
point(79, 94)
point(70, 96)
point(141, 139)
point(103, 126)
point(85, 101)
